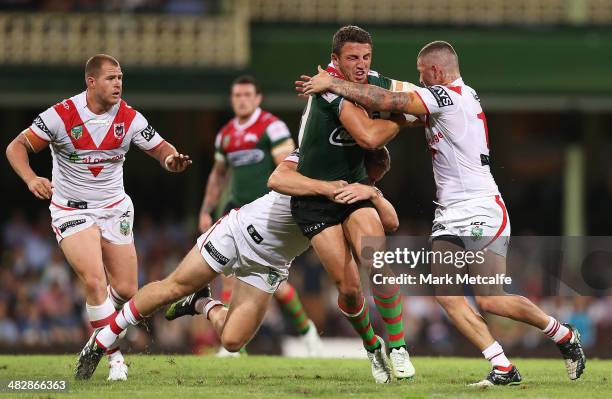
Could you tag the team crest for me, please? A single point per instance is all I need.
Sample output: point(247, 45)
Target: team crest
point(476, 233)
point(119, 130)
point(273, 278)
point(76, 132)
point(124, 227)
point(226, 141)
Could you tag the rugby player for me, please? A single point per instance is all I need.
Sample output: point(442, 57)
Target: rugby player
point(247, 149)
point(256, 244)
point(471, 213)
point(92, 216)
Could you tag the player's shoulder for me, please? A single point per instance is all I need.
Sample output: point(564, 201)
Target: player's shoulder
point(267, 117)
point(445, 96)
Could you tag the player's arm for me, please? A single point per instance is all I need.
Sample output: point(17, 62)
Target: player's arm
point(282, 150)
point(17, 153)
point(372, 97)
point(287, 180)
point(217, 181)
point(169, 158)
point(361, 192)
point(368, 133)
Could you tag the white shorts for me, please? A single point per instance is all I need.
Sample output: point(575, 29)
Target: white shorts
point(229, 255)
point(114, 221)
point(481, 223)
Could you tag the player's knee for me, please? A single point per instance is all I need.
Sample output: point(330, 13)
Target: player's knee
point(126, 290)
point(95, 287)
point(233, 343)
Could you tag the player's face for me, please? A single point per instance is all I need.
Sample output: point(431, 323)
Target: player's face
point(245, 99)
point(429, 74)
point(108, 84)
point(354, 61)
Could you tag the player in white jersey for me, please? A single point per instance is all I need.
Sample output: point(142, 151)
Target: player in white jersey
point(471, 214)
point(256, 244)
point(92, 216)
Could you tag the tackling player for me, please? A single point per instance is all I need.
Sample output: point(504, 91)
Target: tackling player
point(471, 214)
point(92, 216)
point(257, 244)
point(248, 148)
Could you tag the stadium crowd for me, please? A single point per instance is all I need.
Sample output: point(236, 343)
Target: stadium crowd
point(41, 301)
point(176, 7)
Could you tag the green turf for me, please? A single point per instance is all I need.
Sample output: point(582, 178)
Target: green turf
point(275, 377)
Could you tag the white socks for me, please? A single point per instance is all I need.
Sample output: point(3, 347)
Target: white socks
point(495, 354)
point(556, 331)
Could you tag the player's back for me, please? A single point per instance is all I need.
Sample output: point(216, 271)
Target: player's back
point(457, 135)
point(269, 230)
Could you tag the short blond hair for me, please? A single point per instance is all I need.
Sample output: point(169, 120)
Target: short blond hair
point(94, 64)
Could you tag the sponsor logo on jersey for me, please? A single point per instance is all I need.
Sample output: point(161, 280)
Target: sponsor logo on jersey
point(273, 278)
point(119, 130)
point(341, 138)
point(39, 123)
point(216, 255)
point(74, 157)
point(442, 97)
point(70, 224)
point(245, 157)
point(252, 137)
point(475, 96)
point(148, 133)
point(76, 132)
point(254, 234)
point(485, 160)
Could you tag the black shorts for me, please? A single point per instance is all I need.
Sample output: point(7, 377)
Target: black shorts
point(314, 214)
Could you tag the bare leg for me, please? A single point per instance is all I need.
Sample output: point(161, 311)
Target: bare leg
point(237, 325)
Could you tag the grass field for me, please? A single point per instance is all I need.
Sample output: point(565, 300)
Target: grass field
point(161, 376)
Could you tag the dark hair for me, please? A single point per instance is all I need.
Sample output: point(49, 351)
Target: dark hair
point(247, 80)
point(94, 64)
point(348, 34)
point(438, 45)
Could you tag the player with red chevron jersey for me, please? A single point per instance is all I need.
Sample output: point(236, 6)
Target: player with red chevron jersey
point(92, 216)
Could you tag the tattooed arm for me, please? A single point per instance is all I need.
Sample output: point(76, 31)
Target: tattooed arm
point(372, 97)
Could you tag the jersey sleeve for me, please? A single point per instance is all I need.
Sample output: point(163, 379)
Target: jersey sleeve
point(294, 156)
point(145, 136)
point(47, 125)
point(436, 99)
point(278, 132)
point(376, 79)
point(219, 153)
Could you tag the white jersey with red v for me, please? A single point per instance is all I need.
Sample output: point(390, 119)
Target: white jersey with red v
point(458, 138)
point(89, 149)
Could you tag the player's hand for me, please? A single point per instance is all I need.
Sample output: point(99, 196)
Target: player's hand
point(330, 188)
point(299, 85)
point(41, 187)
point(177, 162)
point(205, 222)
point(319, 83)
point(353, 193)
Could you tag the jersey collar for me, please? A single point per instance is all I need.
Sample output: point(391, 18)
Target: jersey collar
point(331, 69)
point(249, 122)
point(80, 101)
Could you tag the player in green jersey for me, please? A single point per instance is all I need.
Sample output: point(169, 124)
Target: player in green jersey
point(334, 136)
